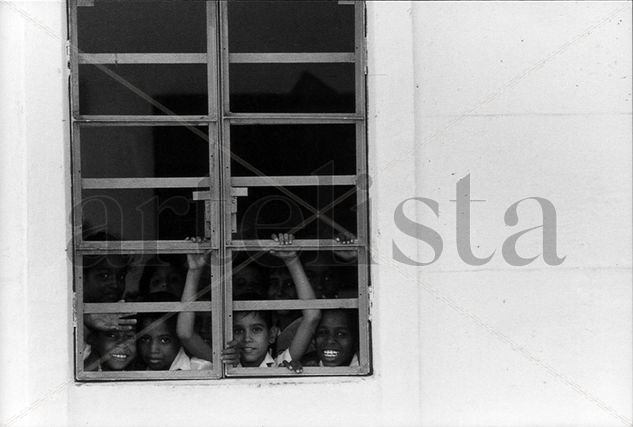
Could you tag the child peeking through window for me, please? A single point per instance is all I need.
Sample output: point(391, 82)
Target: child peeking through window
point(253, 332)
point(158, 345)
point(111, 350)
point(336, 338)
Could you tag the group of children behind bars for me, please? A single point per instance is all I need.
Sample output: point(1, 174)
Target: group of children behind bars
point(178, 341)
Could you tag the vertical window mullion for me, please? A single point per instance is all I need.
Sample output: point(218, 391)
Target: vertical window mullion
point(78, 315)
point(227, 254)
point(362, 189)
point(73, 51)
point(224, 56)
point(224, 159)
point(77, 211)
point(215, 183)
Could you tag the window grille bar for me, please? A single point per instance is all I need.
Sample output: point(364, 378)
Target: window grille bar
point(290, 58)
point(295, 304)
point(78, 308)
point(148, 375)
point(290, 118)
point(290, 181)
point(285, 372)
point(362, 200)
point(298, 244)
point(147, 307)
point(142, 58)
point(141, 120)
point(77, 212)
point(142, 246)
point(213, 228)
point(225, 176)
point(203, 182)
point(134, 183)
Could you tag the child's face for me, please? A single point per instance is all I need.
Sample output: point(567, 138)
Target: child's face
point(253, 337)
point(166, 279)
point(248, 280)
point(334, 339)
point(117, 349)
point(280, 287)
point(158, 346)
point(323, 281)
point(105, 281)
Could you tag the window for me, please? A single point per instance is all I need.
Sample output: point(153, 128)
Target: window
point(227, 122)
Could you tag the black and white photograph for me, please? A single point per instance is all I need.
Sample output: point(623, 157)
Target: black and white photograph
point(316, 213)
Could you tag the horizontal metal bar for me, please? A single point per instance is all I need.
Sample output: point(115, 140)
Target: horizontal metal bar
point(146, 307)
point(289, 58)
point(289, 181)
point(307, 371)
point(239, 191)
point(142, 246)
point(148, 375)
point(297, 244)
point(203, 182)
point(184, 247)
point(142, 58)
point(206, 195)
point(134, 183)
point(295, 304)
point(201, 195)
point(142, 120)
point(291, 118)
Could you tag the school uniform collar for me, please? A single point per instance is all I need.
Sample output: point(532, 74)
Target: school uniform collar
point(268, 362)
point(181, 361)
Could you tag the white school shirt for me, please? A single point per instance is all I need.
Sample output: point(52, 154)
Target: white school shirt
point(182, 362)
point(268, 362)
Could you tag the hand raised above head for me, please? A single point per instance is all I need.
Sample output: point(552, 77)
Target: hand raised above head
point(197, 261)
point(346, 238)
point(284, 239)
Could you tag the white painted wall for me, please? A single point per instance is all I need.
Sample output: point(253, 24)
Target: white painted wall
point(531, 99)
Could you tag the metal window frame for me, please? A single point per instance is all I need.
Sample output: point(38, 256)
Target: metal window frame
point(218, 120)
point(210, 184)
point(357, 118)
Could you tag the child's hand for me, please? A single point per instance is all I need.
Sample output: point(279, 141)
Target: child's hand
point(346, 239)
point(196, 261)
point(294, 365)
point(284, 239)
point(231, 354)
point(109, 321)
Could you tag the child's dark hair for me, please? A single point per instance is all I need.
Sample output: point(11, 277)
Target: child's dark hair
point(90, 261)
point(267, 315)
point(170, 319)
